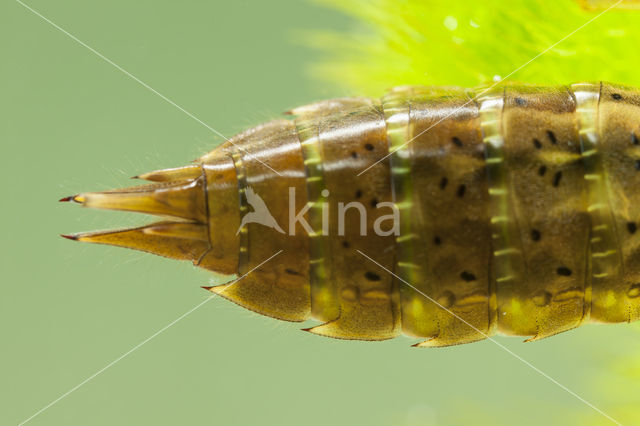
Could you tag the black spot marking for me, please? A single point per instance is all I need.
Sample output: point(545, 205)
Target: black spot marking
point(354, 154)
point(564, 271)
point(520, 101)
point(552, 137)
point(374, 203)
point(346, 244)
point(537, 143)
point(535, 235)
point(637, 164)
point(368, 147)
point(634, 139)
point(292, 272)
point(556, 179)
point(372, 276)
point(542, 170)
point(616, 96)
point(358, 193)
point(467, 276)
point(461, 190)
point(632, 227)
point(456, 141)
point(437, 241)
point(443, 182)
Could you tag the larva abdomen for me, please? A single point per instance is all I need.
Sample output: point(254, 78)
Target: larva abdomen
point(442, 213)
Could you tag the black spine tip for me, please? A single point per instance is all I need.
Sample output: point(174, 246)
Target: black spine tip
point(73, 198)
point(208, 288)
point(69, 237)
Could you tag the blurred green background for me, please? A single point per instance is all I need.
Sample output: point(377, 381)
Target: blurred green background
point(71, 122)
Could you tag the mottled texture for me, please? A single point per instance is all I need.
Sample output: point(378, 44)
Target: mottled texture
point(518, 210)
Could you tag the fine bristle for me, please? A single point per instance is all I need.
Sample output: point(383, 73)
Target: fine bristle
point(176, 174)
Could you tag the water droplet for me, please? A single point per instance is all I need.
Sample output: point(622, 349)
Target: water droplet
point(450, 23)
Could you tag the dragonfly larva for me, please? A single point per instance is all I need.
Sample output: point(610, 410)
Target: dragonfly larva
point(517, 212)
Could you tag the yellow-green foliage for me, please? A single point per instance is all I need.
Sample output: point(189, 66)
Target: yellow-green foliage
point(466, 43)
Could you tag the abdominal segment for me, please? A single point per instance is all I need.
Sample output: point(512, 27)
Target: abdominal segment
point(443, 213)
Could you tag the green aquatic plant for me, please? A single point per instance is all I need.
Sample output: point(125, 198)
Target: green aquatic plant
point(466, 43)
